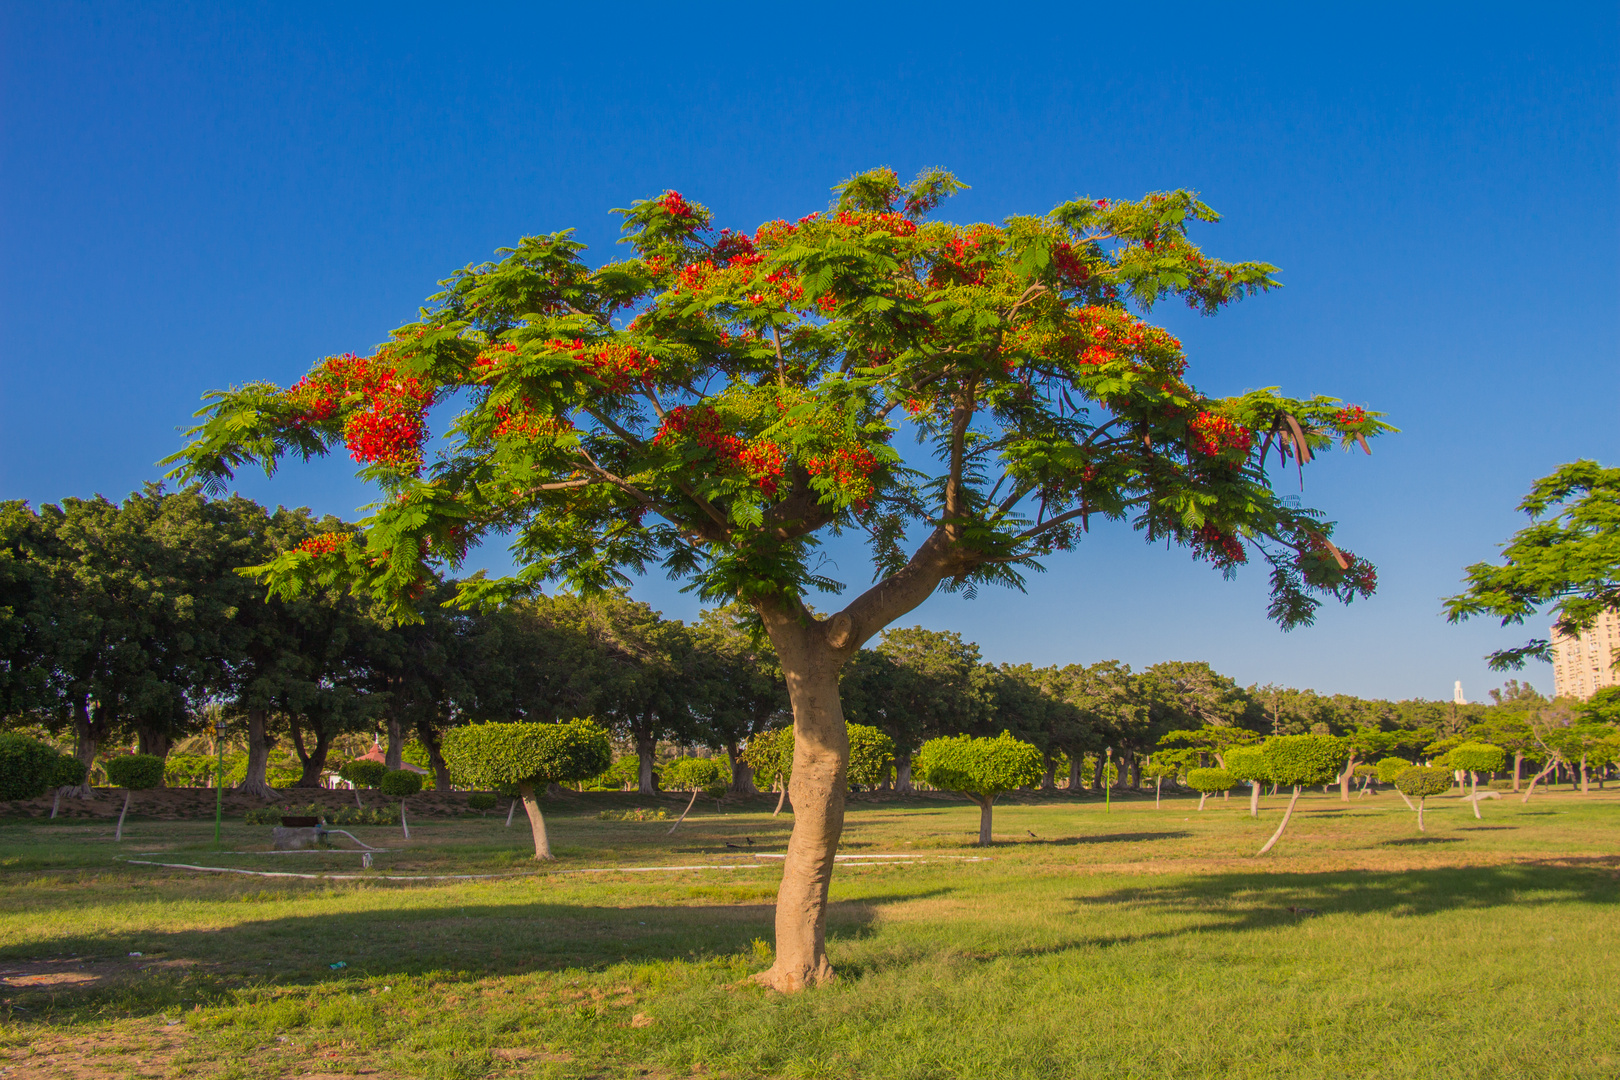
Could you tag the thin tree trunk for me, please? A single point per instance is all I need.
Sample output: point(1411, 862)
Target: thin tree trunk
point(1284, 824)
point(511, 807)
point(1404, 799)
point(403, 824)
point(537, 822)
point(1531, 790)
point(1421, 800)
point(1254, 799)
point(1583, 775)
point(646, 751)
point(118, 834)
point(688, 810)
point(254, 783)
point(782, 798)
point(1473, 793)
point(986, 806)
point(56, 803)
point(1518, 760)
point(1202, 795)
point(1158, 787)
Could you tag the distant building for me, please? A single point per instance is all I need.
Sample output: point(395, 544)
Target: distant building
point(1582, 666)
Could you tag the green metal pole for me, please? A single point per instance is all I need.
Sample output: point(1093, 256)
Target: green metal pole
point(1108, 783)
point(219, 778)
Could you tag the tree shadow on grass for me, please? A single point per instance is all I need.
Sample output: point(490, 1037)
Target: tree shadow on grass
point(1421, 841)
point(1106, 838)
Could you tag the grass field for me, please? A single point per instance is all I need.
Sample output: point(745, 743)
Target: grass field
point(1126, 942)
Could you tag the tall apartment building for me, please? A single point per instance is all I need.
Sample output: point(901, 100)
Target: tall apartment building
point(1582, 666)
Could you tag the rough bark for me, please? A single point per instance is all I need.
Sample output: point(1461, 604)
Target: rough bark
point(259, 742)
point(537, 822)
point(88, 732)
point(1284, 823)
point(1049, 774)
point(313, 761)
point(986, 805)
point(902, 774)
point(429, 737)
point(1344, 779)
point(1076, 781)
point(1583, 774)
point(152, 740)
point(742, 777)
point(646, 750)
point(1518, 761)
point(394, 756)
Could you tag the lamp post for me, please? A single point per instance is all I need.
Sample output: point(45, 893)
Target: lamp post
point(219, 775)
point(1108, 781)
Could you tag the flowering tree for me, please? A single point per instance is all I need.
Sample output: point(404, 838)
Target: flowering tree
point(719, 400)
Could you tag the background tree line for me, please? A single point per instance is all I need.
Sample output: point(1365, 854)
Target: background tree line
point(127, 626)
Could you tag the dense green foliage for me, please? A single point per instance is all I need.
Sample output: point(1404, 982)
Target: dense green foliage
point(1390, 768)
point(1297, 760)
point(362, 773)
point(1474, 757)
point(481, 801)
point(1568, 557)
point(401, 783)
point(696, 774)
point(497, 755)
point(978, 766)
point(27, 767)
point(386, 814)
point(1247, 763)
point(67, 771)
point(135, 772)
point(1420, 781)
point(1210, 781)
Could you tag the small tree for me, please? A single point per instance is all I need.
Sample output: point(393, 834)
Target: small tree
point(1248, 763)
point(1159, 769)
point(1475, 758)
point(27, 767)
point(1209, 781)
point(67, 774)
point(1300, 760)
point(133, 772)
point(770, 755)
point(1388, 770)
point(401, 784)
point(1419, 782)
point(363, 774)
point(696, 775)
point(1366, 774)
point(524, 755)
point(981, 769)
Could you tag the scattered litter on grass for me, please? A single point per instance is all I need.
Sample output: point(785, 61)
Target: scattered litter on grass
point(135, 954)
point(339, 966)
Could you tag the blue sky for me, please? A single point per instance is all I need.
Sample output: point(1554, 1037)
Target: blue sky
point(195, 195)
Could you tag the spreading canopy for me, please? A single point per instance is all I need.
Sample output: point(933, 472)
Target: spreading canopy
point(718, 399)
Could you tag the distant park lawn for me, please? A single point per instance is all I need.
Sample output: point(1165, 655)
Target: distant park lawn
point(1088, 942)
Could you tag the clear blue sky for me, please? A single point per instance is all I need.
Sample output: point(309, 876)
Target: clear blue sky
point(195, 196)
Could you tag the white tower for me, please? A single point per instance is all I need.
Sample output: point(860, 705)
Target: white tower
point(1457, 694)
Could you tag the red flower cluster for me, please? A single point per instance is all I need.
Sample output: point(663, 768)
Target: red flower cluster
point(325, 543)
point(1351, 416)
point(490, 361)
point(787, 285)
point(898, 224)
point(827, 302)
point(732, 246)
point(1221, 548)
point(1070, 270)
point(851, 468)
point(621, 366)
point(762, 461)
point(388, 427)
point(694, 275)
point(521, 421)
point(1213, 434)
point(675, 206)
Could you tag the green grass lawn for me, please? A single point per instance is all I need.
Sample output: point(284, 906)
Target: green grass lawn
point(1132, 942)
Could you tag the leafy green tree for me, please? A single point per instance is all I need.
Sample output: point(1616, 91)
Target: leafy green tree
point(133, 772)
point(770, 755)
point(697, 775)
point(1248, 763)
point(67, 775)
point(1027, 702)
point(26, 767)
point(1159, 768)
point(523, 755)
point(1475, 758)
point(1298, 761)
point(401, 784)
point(1419, 782)
point(1364, 744)
point(1112, 707)
point(916, 684)
point(749, 407)
point(1208, 781)
point(1567, 557)
point(981, 769)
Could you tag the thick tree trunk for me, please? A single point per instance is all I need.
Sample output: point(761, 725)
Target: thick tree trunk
point(1344, 779)
point(1076, 768)
point(537, 822)
point(1136, 772)
point(258, 740)
point(902, 774)
point(1284, 824)
point(1518, 761)
point(820, 767)
point(152, 740)
point(1254, 799)
point(313, 761)
point(742, 777)
point(1097, 771)
point(429, 737)
point(88, 732)
point(394, 756)
point(1049, 774)
point(646, 753)
point(986, 806)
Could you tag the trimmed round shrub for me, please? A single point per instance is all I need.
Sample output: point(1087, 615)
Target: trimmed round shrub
point(1364, 771)
point(481, 801)
point(135, 772)
point(26, 767)
point(710, 775)
point(1210, 781)
point(1390, 768)
point(1419, 781)
point(366, 774)
point(1247, 763)
point(67, 771)
point(1304, 760)
point(871, 754)
point(1476, 757)
point(978, 767)
point(401, 784)
point(499, 755)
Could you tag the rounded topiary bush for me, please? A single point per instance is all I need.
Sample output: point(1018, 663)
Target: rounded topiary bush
point(363, 774)
point(1300, 761)
point(981, 769)
point(26, 767)
point(1208, 782)
point(135, 772)
point(1248, 763)
point(1419, 782)
point(1390, 768)
point(711, 775)
point(524, 755)
point(401, 783)
point(871, 754)
point(67, 771)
